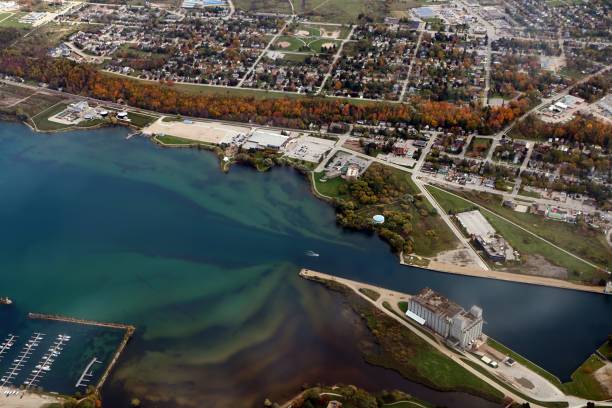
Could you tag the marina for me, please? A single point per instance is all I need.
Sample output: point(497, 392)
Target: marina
point(57, 354)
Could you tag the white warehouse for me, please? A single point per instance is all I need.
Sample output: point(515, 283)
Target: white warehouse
point(459, 327)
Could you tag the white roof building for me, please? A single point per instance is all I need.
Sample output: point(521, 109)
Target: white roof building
point(267, 140)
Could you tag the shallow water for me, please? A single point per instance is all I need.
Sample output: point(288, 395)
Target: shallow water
point(205, 265)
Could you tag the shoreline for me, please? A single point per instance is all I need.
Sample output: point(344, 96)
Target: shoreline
point(442, 267)
point(434, 266)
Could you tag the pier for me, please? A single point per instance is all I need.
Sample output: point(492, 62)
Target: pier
point(83, 379)
point(129, 332)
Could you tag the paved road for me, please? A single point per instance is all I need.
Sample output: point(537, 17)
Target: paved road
point(335, 60)
point(414, 57)
point(445, 217)
point(265, 51)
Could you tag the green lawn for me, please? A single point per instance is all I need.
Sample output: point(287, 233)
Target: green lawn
point(267, 6)
point(13, 21)
point(316, 45)
point(583, 383)
point(342, 11)
point(295, 43)
point(329, 188)
point(140, 119)
point(590, 246)
point(372, 294)
point(450, 203)
point(44, 124)
point(606, 349)
point(174, 140)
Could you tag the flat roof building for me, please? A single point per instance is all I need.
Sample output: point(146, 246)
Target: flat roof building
point(261, 139)
point(482, 232)
point(459, 327)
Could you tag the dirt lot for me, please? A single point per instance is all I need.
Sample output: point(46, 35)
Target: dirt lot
point(207, 132)
point(538, 266)
point(11, 95)
point(604, 376)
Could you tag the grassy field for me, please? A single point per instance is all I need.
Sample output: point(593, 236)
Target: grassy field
point(316, 45)
point(13, 21)
point(174, 140)
point(330, 187)
point(372, 294)
point(267, 6)
point(41, 120)
point(478, 147)
point(342, 11)
point(524, 242)
point(583, 382)
point(606, 349)
point(43, 123)
point(141, 120)
point(295, 44)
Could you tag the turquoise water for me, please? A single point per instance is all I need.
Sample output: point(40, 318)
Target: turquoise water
point(205, 265)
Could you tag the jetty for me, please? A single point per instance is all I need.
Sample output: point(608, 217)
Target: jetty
point(129, 332)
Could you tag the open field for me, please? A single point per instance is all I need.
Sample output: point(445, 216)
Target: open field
point(331, 187)
point(266, 6)
point(140, 119)
point(525, 243)
point(13, 21)
point(584, 384)
point(342, 11)
point(10, 95)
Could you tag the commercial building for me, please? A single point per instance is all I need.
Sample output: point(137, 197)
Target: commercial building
point(459, 327)
point(261, 140)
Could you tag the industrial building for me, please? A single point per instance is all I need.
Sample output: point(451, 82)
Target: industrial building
point(459, 327)
point(484, 235)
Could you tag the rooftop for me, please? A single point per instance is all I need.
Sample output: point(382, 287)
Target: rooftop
point(437, 303)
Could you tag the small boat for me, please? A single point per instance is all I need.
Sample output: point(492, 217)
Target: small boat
point(312, 253)
point(5, 301)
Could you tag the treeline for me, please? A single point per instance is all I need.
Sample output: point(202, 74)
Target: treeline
point(86, 80)
point(582, 129)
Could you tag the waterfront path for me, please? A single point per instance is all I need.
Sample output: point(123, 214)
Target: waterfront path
point(391, 298)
